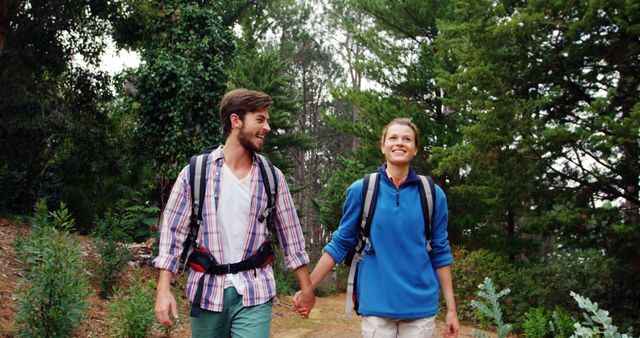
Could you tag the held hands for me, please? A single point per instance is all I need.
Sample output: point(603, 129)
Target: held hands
point(451, 325)
point(165, 305)
point(303, 302)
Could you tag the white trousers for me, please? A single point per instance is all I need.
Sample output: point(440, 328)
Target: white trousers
point(380, 327)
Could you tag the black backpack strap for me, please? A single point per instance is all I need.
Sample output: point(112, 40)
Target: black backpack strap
point(270, 182)
point(197, 183)
point(428, 202)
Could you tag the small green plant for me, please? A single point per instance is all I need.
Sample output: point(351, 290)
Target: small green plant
point(597, 321)
point(561, 325)
point(113, 256)
point(53, 295)
point(113, 259)
point(131, 311)
point(491, 308)
point(535, 324)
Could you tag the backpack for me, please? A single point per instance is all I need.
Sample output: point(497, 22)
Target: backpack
point(370, 186)
point(198, 173)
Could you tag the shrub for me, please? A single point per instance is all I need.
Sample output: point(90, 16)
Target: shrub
point(469, 270)
point(131, 311)
point(113, 257)
point(597, 322)
point(535, 324)
point(53, 297)
point(561, 325)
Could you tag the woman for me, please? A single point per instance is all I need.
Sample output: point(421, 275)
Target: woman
point(398, 281)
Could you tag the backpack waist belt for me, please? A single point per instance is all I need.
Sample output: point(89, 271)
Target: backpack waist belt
point(201, 260)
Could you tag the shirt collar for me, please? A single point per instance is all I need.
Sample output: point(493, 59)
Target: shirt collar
point(411, 176)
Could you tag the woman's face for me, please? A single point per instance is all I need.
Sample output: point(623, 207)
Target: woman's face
point(399, 146)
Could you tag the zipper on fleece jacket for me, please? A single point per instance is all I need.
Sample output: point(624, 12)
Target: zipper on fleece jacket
point(397, 197)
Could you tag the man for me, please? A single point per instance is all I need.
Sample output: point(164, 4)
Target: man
point(232, 231)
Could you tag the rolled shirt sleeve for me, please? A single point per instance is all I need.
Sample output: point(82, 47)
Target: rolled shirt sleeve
point(175, 225)
point(288, 227)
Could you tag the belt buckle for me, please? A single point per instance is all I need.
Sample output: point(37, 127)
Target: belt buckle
point(228, 268)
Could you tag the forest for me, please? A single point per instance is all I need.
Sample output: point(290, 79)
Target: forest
point(528, 111)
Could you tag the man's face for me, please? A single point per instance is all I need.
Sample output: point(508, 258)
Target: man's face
point(253, 130)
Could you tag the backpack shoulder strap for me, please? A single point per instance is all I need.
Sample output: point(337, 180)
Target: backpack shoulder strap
point(427, 200)
point(370, 186)
point(197, 183)
point(269, 180)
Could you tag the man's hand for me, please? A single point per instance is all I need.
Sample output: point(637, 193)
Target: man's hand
point(451, 325)
point(165, 304)
point(303, 302)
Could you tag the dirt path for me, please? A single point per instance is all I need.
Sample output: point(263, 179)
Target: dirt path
point(326, 321)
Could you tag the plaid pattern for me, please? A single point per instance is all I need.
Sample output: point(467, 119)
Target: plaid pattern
point(259, 284)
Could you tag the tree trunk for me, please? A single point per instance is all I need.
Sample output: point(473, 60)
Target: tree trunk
point(8, 9)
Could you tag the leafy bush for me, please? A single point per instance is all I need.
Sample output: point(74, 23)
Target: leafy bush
point(131, 311)
point(535, 324)
point(53, 295)
point(597, 322)
point(469, 270)
point(133, 222)
point(113, 257)
point(561, 325)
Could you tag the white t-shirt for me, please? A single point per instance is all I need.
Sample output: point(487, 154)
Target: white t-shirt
point(233, 218)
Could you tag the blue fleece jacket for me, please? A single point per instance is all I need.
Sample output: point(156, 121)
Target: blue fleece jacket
point(398, 280)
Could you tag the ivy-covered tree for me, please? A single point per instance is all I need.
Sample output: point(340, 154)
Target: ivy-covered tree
point(185, 49)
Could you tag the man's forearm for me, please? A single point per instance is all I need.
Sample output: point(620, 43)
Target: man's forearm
point(164, 280)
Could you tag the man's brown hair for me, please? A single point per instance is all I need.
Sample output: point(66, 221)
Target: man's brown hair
point(240, 102)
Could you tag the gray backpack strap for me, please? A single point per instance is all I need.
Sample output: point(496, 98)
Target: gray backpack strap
point(369, 200)
point(427, 199)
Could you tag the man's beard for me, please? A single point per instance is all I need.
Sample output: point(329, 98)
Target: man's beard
point(244, 142)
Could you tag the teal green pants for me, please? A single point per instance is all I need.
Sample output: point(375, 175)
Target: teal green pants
point(235, 320)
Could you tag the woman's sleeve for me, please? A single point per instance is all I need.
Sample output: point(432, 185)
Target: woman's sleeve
point(345, 237)
point(440, 249)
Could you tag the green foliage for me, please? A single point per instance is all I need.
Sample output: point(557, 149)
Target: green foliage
point(597, 321)
point(47, 98)
point(264, 71)
point(490, 307)
point(131, 312)
point(185, 48)
point(536, 323)
point(561, 325)
point(53, 294)
point(113, 259)
point(469, 270)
